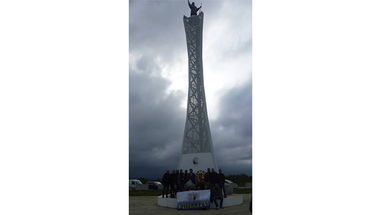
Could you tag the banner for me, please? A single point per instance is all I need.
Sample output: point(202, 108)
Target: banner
point(194, 199)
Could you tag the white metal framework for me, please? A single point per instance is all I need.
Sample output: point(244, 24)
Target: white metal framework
point(197, 148)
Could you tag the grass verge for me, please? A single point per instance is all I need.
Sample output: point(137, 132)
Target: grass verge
point(245, 190)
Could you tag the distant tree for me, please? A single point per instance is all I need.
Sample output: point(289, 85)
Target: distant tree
point(240, 179)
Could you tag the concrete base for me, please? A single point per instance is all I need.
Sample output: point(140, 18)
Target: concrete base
point(231, 200)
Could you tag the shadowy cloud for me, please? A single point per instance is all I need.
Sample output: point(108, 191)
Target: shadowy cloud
point(232, 130)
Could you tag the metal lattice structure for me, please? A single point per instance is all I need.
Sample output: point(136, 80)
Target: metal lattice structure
point(197, 137)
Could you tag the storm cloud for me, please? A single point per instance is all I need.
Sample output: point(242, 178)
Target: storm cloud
point(158, 84)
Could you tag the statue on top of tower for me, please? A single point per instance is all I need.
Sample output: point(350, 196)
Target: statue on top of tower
point(193, 8)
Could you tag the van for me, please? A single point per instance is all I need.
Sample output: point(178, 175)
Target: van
point(134, 184)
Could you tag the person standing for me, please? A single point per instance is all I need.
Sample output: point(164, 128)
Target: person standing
point(207, 177)
point(213, 177)
point(217, 195)
point(193, 177)
point(191, 180)
point(221, 182)
point(166, 184)
point(177, 187)
point(186, 178)
point(173, 180)
point(180, 180)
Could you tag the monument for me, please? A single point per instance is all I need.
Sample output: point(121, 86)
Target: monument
point(197, 147)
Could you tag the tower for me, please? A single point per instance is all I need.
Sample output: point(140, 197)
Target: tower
point(197, 147)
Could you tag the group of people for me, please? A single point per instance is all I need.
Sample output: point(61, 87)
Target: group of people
point(183, 180)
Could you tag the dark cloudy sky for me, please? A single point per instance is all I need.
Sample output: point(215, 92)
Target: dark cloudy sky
point(158, 83)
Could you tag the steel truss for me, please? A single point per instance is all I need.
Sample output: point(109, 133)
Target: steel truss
point(197, 137)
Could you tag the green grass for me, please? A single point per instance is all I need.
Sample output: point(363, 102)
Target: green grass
point(242, 190)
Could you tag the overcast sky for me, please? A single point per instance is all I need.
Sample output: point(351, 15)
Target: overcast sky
point(159, 82)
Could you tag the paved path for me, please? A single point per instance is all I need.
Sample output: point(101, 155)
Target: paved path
point(147, 205)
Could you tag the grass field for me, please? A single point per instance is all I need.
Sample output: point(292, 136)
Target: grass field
point(244, 190)
point(158, 192)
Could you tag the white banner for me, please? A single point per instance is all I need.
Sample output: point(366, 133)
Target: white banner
point(194, 199)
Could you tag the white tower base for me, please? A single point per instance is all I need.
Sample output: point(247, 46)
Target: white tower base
point(231, 200)
point(197, 161)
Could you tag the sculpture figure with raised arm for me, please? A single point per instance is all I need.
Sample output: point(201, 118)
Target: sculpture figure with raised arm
point(193, 8)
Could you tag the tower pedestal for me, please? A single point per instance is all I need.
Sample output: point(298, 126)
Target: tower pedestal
point(197, 161)
point(231, 200)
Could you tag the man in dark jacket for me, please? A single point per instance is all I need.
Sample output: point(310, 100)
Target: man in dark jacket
point(166, 184)
point(186, 177)
point(216, 194)
point(180, 180)
point(207, 177)
point(213, 177)
point(177, 176)
point(173, 182)
point(221, 182)
point(213, 180)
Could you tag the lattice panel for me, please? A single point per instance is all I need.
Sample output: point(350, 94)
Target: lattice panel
point(197, 137)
